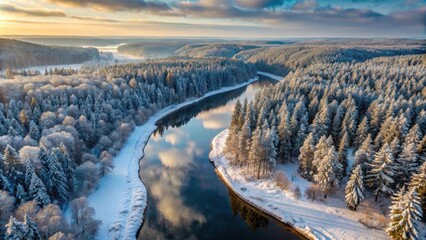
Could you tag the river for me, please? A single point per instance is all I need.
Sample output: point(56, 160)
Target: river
point(186, 199)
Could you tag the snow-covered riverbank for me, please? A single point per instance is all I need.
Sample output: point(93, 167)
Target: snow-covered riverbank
point(317, 220)
point(270, 75)
point(120, 198)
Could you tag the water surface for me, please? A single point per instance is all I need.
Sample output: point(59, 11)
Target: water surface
point(186, 199)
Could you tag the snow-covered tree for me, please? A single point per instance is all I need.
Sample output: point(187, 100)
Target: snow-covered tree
point(234, 129)
point(382, 171)
point(354, 188)
point(32, 231)
point(244, 140)
point(364, 156)
point(328, 169)
point(56, 181)
point(405, 214)
point(37, 191)
point(82, 219)
point(15, 230)
point(306, 157)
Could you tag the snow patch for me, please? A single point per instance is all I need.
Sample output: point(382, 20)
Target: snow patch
point(318, 220)
point(270, 75)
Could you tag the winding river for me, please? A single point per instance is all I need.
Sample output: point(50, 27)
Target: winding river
point(186, 199)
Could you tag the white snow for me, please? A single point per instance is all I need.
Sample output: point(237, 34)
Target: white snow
point(270, 75)
point(327, 219)
point(120, 197)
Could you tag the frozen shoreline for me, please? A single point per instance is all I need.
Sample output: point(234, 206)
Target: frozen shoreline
point(270, 75)
point(120, 198)
point(315, 220)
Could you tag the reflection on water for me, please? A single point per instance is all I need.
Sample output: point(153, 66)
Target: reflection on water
point(249, 214)
point(186, 199)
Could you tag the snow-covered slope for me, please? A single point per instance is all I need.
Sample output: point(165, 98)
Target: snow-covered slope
point(270, 75)
point(120, 198)
point(318, 220)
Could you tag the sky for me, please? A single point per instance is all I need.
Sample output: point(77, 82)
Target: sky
point(216, 18)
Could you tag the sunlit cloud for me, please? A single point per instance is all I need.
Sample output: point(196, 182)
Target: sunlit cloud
point(113, 5)
point(35, 12)
point(238, 18)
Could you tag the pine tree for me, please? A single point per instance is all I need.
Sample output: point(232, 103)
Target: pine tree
point(4, 183)
point(300, 135)
point(68, 166)
point(329, 167)
point(13, 165)
point(34, 131)
point(56, 180)
point(321, 151)
point(382, 172)
point(354, 189)
point(37, 191)
point(362, 132)
point(405, 216)
point(234, 129)
point(306, 157)
point(15, 230)
point(244, 139)
point(343, 151)
point(408, 160)
point(33, 233)
point(418, 180)
point(284, 136)
point(256, 151)
point(364, 156)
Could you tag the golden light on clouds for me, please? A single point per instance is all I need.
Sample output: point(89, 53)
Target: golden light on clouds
point(221, 18)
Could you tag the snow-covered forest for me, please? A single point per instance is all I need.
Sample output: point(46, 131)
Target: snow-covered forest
point(357, 127)
point(16, 54)
point(58, 135)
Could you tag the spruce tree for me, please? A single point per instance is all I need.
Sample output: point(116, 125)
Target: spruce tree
point(34, 131)
point(284, 136)
point(382, 172)
point(33, 232)
point(306, 157)
point(364, 156)
point(244, 139)
point(405, 215)
point(15, 230)
point(354, 188)
point(328, 169)
point(56, 182)
point(256, 152)
point(234, 129)
point(418, 180)
point(343, 151)
point(37, 191)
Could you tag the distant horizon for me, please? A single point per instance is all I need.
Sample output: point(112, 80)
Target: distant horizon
point(203, 37)
point(248, 19)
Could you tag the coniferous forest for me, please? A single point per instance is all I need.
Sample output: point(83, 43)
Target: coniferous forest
point(362, 124)
point(59, 134)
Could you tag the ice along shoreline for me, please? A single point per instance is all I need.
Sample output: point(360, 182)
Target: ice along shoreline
point(312, 220)
point(120, 198)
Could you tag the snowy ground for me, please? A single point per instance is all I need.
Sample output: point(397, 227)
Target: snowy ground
point(120, 197)
point(328, 219)
point(270, 75)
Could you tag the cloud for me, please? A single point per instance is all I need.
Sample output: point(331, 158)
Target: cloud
point(260, 4)
point(35, 12)
point(122, 5)
point(305, 5)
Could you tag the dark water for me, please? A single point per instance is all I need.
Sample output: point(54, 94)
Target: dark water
point(186, 199)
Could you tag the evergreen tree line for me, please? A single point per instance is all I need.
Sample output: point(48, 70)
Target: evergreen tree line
point(58, 134)
point(375, 109)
